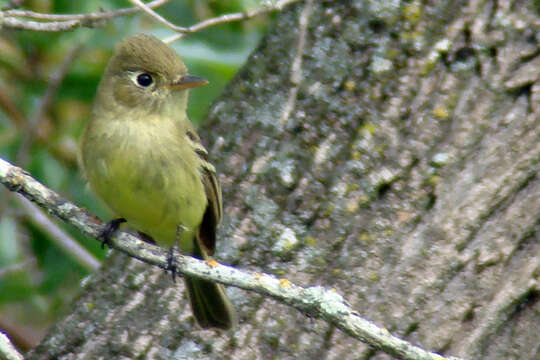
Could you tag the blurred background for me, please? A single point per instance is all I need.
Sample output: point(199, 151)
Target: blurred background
point(47, 83)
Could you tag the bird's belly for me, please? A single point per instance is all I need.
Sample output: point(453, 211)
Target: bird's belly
point(155, 190)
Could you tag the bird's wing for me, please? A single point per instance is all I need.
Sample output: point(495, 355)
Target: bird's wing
point(212, 215)
point(214, 208)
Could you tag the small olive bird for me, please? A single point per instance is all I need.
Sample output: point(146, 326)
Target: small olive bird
point(142, 156)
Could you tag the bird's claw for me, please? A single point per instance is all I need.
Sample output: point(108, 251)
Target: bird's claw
point(170, 264)
point(109, 230)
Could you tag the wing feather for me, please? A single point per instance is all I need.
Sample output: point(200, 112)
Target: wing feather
point(214, 208)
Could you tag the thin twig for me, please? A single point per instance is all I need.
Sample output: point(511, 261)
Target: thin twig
point(296, 68)
point(107, 15)
point(227, 18)
point(315, 301)
point(59, 236)
point(240, 15)
point(65, 22)
point(145, 8)
point(16, 267)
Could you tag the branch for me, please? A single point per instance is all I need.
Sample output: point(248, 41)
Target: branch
point(61, 238)
point(7, 350)
point(56, 23)
point(315, 302)
point(227, 18)
point(296, 68)
point(16, 267)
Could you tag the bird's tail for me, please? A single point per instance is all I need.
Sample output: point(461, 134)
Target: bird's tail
point(210, 304)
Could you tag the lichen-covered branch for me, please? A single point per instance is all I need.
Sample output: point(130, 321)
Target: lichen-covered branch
point(56, 22)
point(316, 301)
point(7, 350)
point(65, 22)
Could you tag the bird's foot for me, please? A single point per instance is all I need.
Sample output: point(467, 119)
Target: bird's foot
point(170, 257)
point(170, 263)
point(109, 230)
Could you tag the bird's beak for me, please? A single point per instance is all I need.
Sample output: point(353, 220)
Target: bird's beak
point(188, 82)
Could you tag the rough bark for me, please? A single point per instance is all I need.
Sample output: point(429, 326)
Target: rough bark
point(387, 150)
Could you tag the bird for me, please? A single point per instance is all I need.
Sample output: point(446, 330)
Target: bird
point(141, 155)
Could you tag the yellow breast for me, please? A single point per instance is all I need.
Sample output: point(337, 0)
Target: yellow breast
point(147, 173)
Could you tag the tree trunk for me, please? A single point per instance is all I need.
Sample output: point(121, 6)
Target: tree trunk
point(389, 150)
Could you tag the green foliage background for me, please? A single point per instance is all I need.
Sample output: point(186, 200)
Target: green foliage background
point(33, 295)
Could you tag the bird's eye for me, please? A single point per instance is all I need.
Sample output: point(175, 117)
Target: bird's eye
point(145, 79)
